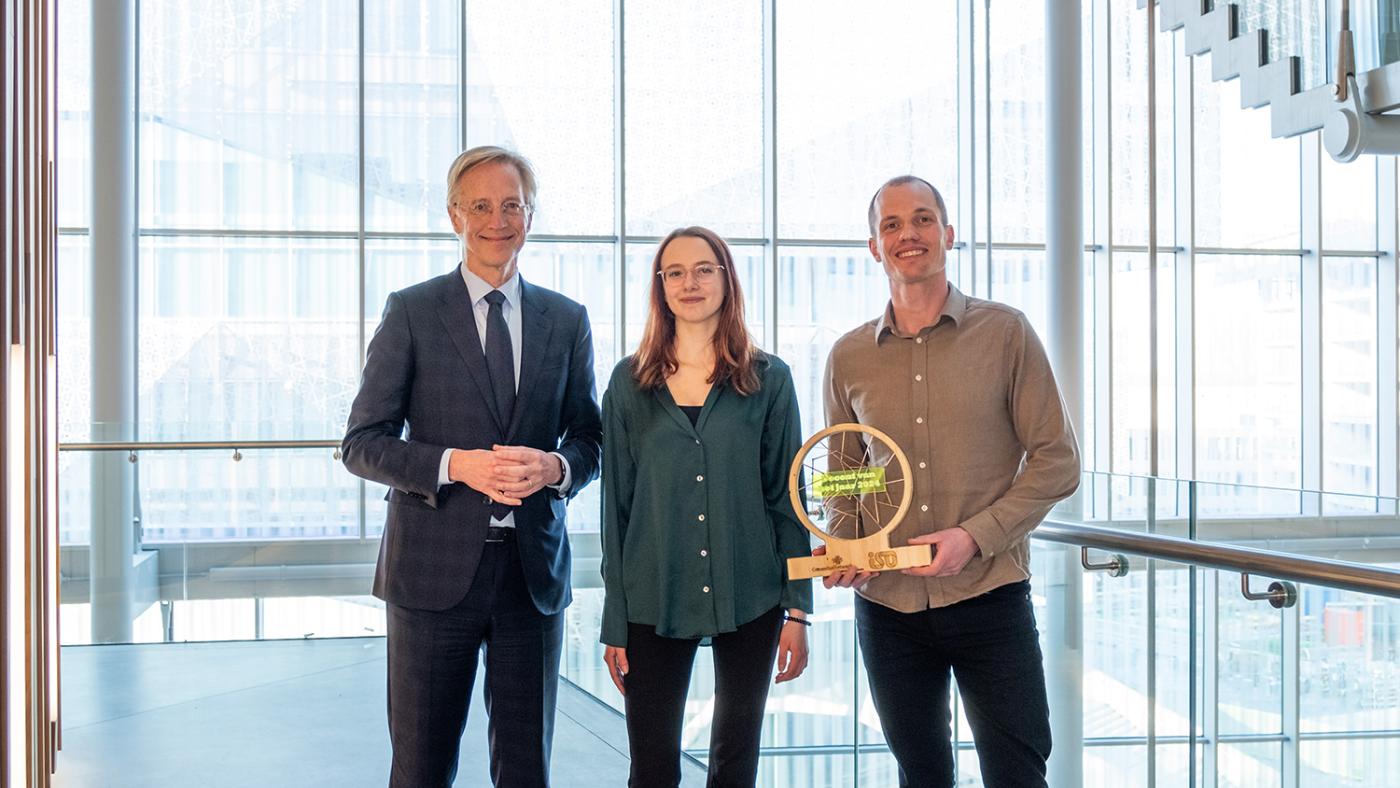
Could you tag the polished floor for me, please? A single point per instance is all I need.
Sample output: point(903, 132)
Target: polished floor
point(278, 713)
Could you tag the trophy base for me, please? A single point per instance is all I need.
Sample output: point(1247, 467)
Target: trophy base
point(869, 560)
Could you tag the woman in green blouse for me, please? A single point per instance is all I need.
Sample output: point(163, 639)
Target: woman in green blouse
point(700, 427)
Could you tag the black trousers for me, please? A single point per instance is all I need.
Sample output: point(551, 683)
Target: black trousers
point(433, 657)
point(657, 682)
point(990, 645)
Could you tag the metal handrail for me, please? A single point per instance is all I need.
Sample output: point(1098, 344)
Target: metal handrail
point(1283, 566)
point(197, 445)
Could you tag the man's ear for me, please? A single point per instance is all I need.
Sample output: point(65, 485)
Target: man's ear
point(874, 250)
point(948, 237)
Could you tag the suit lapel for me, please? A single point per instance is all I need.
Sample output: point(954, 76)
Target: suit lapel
point(455, 311)
point(535, 329)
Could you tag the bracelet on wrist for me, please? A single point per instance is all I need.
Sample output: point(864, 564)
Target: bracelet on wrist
point(789, 617)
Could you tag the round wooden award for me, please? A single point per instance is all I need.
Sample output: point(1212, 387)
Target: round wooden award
point(856, 478)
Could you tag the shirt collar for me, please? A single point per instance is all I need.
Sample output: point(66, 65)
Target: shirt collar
point(477, 287)
point(954, 308)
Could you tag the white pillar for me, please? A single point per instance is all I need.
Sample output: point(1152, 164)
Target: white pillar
point(113, 249)
point(1064, 246)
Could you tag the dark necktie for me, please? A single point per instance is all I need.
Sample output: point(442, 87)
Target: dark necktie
point(500, 364)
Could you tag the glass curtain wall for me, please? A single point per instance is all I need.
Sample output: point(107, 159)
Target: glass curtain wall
point(291, 166)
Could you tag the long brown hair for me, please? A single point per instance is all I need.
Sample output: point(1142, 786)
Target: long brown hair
point(735, 355)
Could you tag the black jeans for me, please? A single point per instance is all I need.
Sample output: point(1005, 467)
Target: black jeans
point(657, 681)
point(990, 645)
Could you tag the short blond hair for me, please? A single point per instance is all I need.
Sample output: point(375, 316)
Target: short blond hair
point(485, 154)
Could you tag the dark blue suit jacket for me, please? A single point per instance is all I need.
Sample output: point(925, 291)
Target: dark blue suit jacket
point(425, 389)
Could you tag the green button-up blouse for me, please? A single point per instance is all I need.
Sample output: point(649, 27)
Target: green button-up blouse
point(697, 525)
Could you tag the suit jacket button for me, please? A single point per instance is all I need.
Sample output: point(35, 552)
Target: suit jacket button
point(486, 499)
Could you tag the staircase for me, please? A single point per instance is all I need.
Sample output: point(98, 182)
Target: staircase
point(1354, 124)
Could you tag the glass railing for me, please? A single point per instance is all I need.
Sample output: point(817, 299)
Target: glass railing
point(1181, 675)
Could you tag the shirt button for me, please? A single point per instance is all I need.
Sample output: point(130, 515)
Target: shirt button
point(920, 340)
point(919, 420)
point(704, 553)
point(918, 377)
point(923, 508)
point(702, 518)
point(697, 441)
point(923, 464)
point(706, 589)
point(700, 478)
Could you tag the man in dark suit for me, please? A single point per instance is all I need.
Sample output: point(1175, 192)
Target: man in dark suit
point(477, 408)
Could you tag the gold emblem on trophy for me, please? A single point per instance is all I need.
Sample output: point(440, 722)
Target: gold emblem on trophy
point(856, 481)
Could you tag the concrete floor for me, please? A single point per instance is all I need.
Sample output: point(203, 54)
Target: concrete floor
point(279, 713)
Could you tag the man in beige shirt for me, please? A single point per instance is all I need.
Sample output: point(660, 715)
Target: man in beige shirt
point(964, 387)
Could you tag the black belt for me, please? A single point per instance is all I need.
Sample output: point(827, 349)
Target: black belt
point(499, 533)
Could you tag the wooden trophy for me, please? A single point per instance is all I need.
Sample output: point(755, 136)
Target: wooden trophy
point(852, 475)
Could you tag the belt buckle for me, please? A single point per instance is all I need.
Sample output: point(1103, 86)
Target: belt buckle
point(497, 533)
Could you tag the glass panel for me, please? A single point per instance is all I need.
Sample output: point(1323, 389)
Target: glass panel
point(1174, 766)
point(1349, 204)
point(1131, 367)
point(694, 117)
point(824, 771)
point(1350, 669)
point(1249, 665)
point(1349, 358)
point(303, 617)
point(876, 768)
point(267, 494)
point(1247, 183)
point(246, 338)
point(394, 265)
point(540, 79)
point(903, 121)
point(582, 660)
point(1248, 372)
point(583, 272)
point(1115, 656)
point(74, 99)
point(823, 292)
point(1375, 32)
point(411, 112)
point(1017, 121)
point(73, 318)
point(1343, 764)
point(1124, 765)
point(819, 708)
point(249, 115)
point(1128, 89)
point(1250, 765)
point(1018, 279)
point(1174, 646)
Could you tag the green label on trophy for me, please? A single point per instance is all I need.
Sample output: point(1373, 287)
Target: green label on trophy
point(852, 481)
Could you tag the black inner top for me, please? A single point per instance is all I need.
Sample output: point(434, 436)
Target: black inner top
point(692, 412)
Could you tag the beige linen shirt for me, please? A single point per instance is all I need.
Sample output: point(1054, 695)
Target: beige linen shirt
point(973, 403)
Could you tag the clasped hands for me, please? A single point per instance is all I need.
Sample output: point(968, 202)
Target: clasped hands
point(505, 474)
point(953, 548)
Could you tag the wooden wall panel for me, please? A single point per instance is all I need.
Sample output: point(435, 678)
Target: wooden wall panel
point(28, 601)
